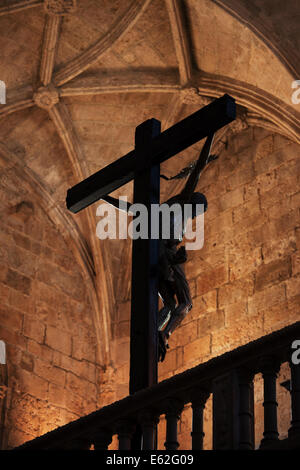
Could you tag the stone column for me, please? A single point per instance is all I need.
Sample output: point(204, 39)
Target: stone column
point(148, 420)
point(270, 368)
point(225, 411)
point(198, 404)
point(125, 430)
point(173, 412)
point(246, 409)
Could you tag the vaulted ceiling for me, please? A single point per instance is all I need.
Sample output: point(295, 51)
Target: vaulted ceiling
point(80, 77)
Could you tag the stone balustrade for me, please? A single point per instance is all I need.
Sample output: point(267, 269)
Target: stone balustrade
point(229, 378)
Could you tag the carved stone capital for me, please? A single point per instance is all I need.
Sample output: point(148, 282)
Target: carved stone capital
point(125, 427)
point(60, 7)
point(191, 95)
point(239, 124)
point(236, 126)
point(46, 97)
point(173, 407)
point(269, 365)
point(199, 398)
point(148, 418)
point(102, 438)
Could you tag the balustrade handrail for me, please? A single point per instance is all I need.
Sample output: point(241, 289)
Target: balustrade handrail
point(183, 387)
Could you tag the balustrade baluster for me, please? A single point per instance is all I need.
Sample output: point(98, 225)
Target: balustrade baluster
point(295, 399)
point(269, 368)
point(246, 409)
point(125, 430)
point(198, 405)
point(173, 412)
point(225, 411)
point(148, 420)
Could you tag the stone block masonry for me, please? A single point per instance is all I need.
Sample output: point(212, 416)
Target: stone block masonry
point(53, 376)
point(245, 280)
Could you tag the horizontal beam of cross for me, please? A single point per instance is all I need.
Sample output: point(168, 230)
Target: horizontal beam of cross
point(185, 133)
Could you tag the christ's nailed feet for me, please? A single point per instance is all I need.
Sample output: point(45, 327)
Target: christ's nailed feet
point(162, 346)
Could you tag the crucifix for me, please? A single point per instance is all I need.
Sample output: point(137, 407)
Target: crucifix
point(142, 165)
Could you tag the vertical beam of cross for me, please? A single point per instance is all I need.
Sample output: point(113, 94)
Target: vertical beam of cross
point(144, 285)
point(144, 291)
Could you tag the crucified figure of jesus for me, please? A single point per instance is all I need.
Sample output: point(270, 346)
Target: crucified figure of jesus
point(173, 286)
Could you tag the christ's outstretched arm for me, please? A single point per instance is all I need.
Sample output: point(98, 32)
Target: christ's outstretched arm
point(193, 179)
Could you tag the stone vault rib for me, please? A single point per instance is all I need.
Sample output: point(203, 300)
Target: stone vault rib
point(93, 53)
point(174, 8)
point(47, 97)
point(17, 106)
point(51, 35)
point(265, 33)
point(16, 100)
point(254, 99)
point(103, 291)
point(150, 81)
point(16, 7)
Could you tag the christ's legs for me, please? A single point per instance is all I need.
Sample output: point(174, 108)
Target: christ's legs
point(182, 292)
point(167, 294)
point(172, 285)
point(176, 318)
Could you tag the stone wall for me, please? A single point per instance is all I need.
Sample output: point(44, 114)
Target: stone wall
point(46, 322)
point(244, 284)
point(245, 281)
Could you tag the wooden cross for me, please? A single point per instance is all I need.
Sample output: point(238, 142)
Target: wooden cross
point(142, 165)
